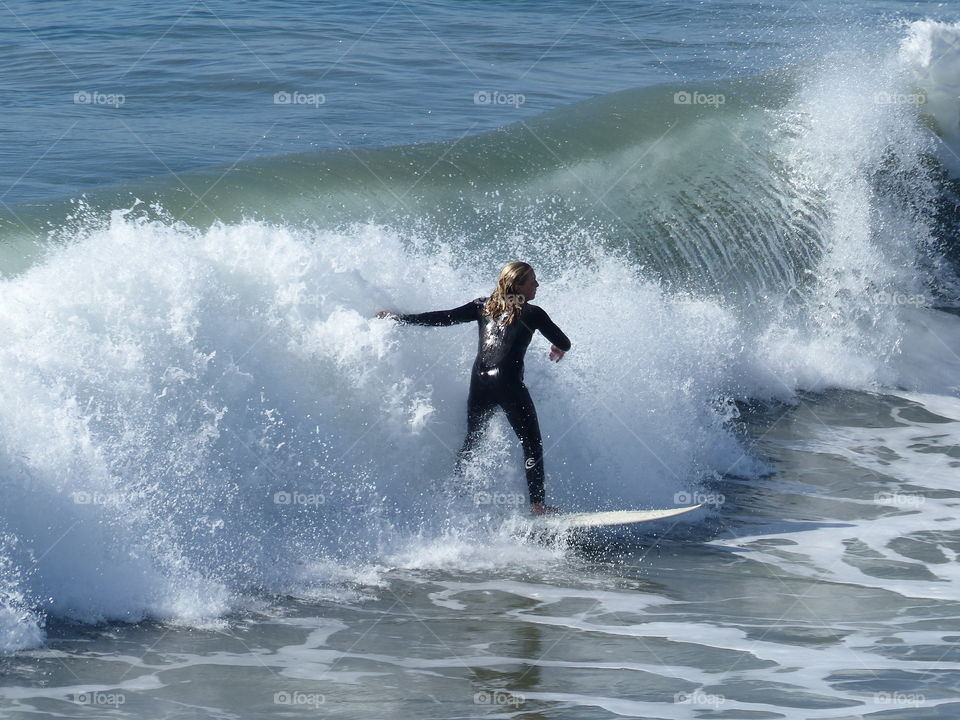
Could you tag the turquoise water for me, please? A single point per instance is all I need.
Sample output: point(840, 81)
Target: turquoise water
point(227, 488)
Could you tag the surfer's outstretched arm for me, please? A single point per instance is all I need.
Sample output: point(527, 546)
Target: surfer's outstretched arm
point(438, 318)
point(560, 343)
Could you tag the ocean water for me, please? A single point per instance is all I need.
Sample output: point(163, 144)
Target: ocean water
point(227, 489)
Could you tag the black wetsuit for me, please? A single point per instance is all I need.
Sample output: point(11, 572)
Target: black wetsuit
point(497, 377)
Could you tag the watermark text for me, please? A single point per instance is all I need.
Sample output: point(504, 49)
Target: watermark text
point(684, 97)
point(497, 697)
point(698, 697)
point(495, 97)
point(698, 498)
point(299, 699)
point(94, 697)
point(299, 98)
point(285, 497)
point(85, 97)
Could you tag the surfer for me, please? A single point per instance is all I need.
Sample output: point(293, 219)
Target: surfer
point(507, 322)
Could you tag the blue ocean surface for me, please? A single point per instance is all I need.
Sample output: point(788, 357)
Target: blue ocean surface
point(227, 489)
point(101, 93)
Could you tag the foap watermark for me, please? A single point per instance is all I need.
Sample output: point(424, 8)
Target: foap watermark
point(299, 98)
point(896, 499)
point(698, 498)
point(495, 97)
point(299, 699)
point(698, 697)
point(498, 498)
point(684, 97)
point(285, 497)
point(899, 698)
point(85, 97)
point(514, 299)
point(98, 698)
point(498, 697)
point(888, 98)
point(95, 497)
point(897, 299)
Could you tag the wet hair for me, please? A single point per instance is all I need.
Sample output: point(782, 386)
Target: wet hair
point(505, 303)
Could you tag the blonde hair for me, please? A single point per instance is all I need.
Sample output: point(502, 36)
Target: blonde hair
point(504, 301)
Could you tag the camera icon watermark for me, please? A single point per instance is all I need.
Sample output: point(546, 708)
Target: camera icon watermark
point(299, 699)
point(299, 98)
point(899, 698)
point(897, 299)
point(94, 497)
point(495, 97)
point(498, 697)
point(698, 498)
point(85, 97)
point(902, 500)
point(514, 300)
point(285, 497)
point(94, 697)
point(685, 97)
point(497, 498)
point(887, 98)
point(698, 697)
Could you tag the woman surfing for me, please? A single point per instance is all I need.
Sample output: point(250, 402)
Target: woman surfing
point(506, 322)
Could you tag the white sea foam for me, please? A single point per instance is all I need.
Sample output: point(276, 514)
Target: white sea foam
point(191, 414)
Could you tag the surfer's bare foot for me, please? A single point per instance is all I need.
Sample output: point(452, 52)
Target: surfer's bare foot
point(541, 509)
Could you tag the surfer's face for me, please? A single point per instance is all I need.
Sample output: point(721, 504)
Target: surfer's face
point(528, 288)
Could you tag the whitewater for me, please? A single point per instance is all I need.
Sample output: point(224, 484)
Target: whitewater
point(215, 460)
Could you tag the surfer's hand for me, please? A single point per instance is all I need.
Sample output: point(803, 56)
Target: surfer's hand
point(556, 354)
point(541, 509)
point(384, 314)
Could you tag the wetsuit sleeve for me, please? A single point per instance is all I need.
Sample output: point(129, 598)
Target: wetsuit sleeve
point(439, 318)
point(550, 331)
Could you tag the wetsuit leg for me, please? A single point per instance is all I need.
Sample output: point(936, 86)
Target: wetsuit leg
point(522, 415)
point(480, 405)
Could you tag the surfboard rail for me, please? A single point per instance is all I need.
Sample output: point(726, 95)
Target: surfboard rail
point(610, 518)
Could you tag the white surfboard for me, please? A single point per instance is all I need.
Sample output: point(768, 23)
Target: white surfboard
point(572, 521)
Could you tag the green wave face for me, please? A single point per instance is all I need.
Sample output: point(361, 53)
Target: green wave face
point(735, 190)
